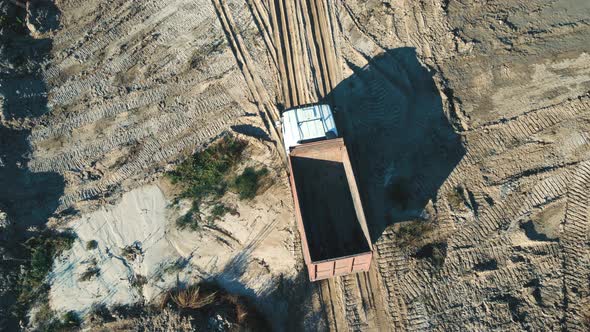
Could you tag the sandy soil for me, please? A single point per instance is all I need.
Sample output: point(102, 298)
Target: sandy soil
point(471, 115)
point(248, 253)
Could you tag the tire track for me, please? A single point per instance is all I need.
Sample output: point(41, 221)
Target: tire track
point(266, 108)
point(391, 264)
point(510, 133)
point(576, 252)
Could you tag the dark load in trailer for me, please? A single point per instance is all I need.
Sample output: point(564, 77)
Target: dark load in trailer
point(328, 208)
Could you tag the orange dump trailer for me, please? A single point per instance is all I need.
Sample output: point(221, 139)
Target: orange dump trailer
point(330, 216)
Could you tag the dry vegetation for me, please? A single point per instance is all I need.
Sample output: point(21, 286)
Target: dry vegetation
point(412, 233)
point(190, 308)
point(206, 300)
point(191, 298)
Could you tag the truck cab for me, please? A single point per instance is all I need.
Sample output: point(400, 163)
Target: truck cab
point(308, 124)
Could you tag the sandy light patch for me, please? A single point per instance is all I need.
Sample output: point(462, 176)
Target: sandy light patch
point(253, 248)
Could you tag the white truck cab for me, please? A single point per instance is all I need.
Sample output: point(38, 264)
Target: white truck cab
point(307, 124)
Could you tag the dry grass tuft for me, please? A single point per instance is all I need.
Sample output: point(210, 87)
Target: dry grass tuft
point(241, 310)
point(191, 298)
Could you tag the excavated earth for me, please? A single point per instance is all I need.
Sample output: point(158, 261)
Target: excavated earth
point(469, 116)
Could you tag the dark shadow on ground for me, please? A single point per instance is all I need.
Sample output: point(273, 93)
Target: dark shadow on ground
point(253, 131)
point(402, 147)
point(285, 302)
point(27, 198)
point(401, 143)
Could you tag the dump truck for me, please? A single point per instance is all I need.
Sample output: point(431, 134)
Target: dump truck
point(328, 209)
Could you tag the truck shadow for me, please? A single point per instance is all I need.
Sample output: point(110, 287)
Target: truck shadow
point(286, 302)
point(401, 143)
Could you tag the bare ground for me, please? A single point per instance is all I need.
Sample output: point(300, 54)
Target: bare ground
point(471, 115)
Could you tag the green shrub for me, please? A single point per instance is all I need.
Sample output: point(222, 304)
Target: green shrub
point(410, 233)
point(247, 184)
point(44, 249)
point(44, 313)
point(68, 322)
point(189, 220)
point(435, 252)
point(99, 314)
point(131, 252)
point(219, 210)
point(10, 21)
point(205, 174)
point(455, 198)
point(41, 263)
point(70, 319)
point(90, 273)
point(91, 245)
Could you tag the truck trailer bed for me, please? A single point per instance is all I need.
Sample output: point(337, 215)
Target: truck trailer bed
point(329, 211)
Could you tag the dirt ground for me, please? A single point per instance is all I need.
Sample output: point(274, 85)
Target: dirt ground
point(470, 116)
